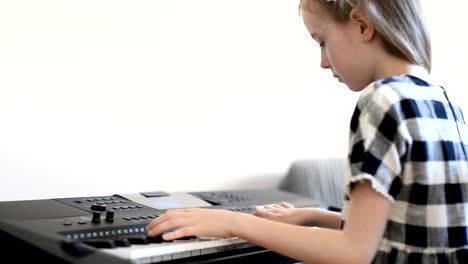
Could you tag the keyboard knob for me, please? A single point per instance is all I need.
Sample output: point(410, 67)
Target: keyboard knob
point(110, 216)
point(98, 207)
point(96, 218)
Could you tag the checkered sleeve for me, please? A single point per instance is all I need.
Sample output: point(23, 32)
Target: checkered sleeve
point(376, 148)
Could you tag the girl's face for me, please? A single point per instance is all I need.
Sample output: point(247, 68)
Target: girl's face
point(341, 49)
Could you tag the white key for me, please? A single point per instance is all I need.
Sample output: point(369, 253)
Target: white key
point(176, 249)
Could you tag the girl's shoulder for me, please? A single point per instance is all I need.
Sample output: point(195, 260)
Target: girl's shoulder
point(394, 90)
point(403, 80)
point(407, 86)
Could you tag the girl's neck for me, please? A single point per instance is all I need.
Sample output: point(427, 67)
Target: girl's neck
point(394, 66)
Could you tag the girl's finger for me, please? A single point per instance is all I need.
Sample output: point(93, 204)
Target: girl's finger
point(286, 205)
point(179, 233)
point(277, 206)
point(258, 212)
point(161, 218)
point(170, 224)
point(277, 211)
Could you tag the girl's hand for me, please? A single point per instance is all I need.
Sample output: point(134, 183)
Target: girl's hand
point(193, 222)
point(282, 212)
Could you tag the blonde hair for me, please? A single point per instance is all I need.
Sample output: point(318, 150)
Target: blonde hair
point(400, 23)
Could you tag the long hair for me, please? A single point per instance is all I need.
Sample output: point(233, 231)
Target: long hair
point(400, 23)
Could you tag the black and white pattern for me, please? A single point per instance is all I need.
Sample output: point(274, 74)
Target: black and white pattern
point(410, 142)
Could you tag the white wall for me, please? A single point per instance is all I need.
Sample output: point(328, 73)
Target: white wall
point(107, 96)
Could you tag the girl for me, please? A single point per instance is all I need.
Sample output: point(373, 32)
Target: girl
point(406, 190)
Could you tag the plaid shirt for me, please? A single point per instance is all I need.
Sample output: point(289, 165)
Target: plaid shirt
point(410, 142)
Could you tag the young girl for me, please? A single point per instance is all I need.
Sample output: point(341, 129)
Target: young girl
point(406, 190)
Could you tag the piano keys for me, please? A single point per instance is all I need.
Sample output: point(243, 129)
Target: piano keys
point(177, 249)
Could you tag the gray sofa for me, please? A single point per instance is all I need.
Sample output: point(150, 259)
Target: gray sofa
point(319, 179)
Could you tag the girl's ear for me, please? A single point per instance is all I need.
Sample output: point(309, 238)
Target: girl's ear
point(367, 29)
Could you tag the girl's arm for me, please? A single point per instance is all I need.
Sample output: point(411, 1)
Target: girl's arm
point(357, 243)
point(287, 213)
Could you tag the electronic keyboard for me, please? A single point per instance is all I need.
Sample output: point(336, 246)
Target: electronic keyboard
point(111, 229)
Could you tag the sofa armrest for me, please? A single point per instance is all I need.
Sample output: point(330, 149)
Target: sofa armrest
point(321, 180)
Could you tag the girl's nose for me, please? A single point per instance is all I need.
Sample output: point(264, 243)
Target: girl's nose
point(324, 63)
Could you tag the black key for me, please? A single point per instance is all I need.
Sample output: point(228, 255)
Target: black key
point(187, 238)
point(123, 242)
point(156, 239)
point(75, 248)
point(101, 243)
point(138, 240)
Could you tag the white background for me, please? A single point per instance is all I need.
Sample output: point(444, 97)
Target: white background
point(100, 97)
